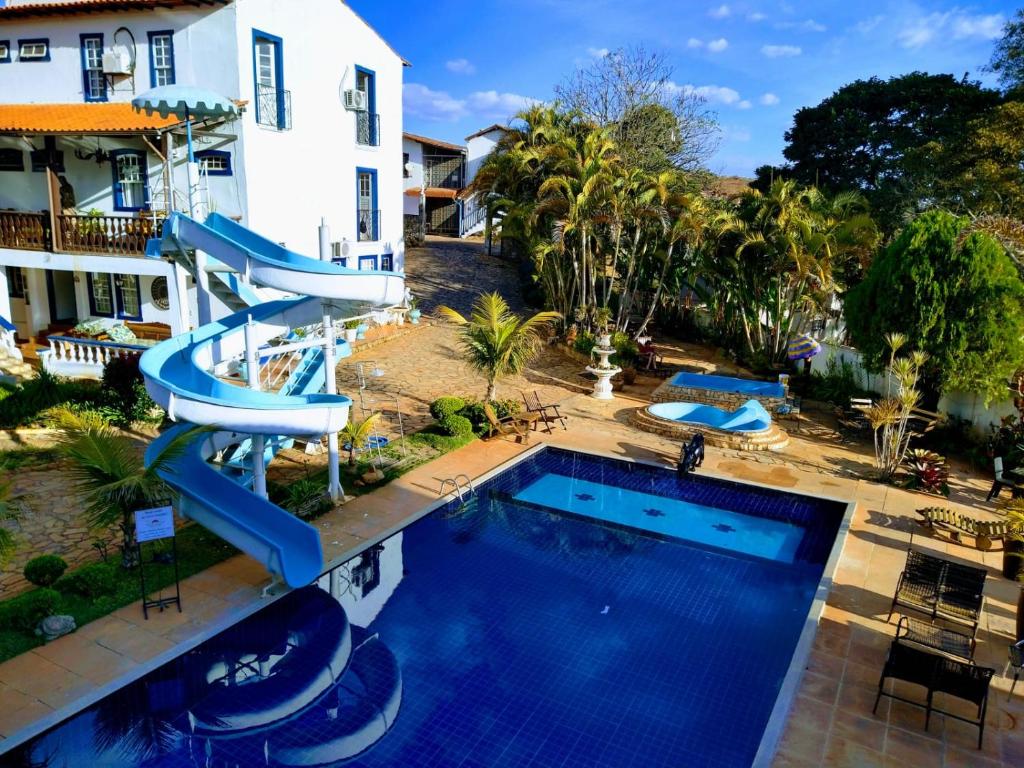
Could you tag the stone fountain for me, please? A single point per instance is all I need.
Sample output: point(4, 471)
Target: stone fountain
point(604, 370)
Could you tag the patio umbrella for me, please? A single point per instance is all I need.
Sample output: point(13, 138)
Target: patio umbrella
point(802, 347)
point(189, 102)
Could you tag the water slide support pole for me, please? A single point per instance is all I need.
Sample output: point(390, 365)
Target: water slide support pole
point(331, 388)
point(252, 369)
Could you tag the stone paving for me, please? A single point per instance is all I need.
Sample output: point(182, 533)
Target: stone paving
point(831, 722)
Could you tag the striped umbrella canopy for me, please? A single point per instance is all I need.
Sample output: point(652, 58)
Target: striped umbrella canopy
point(802, 347)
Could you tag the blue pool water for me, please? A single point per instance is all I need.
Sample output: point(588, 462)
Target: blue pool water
point(529, 627)
point(729, 384)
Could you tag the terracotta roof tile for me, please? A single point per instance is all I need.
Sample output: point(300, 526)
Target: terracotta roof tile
point(72, 7)
point(433, 142)
point(78, 118)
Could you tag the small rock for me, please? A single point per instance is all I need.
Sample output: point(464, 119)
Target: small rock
point(53, 627)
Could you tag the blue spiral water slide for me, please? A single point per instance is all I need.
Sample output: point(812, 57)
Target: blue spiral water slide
point(185, 375)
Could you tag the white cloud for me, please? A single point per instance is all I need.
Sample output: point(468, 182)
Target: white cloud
point(717, 94)
point(769, 99)
point(756, 16)
point(719, 45)
point(780, 51)
point(720, 12)
point(736, 133)
point(492, 104)
point(420, 101)
point(745, 104)
point(693, 42)
point(460, 66)
point(598, 53)
point(868, 25)
point(810, 25)
point(956, 24)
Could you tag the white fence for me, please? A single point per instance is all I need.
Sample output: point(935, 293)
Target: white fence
point(960, 404)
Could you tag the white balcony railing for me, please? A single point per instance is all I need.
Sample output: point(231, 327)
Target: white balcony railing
point(85, 358)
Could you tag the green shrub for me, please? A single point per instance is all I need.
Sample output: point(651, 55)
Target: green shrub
point(25, 405)
point(585, 342)
point(26, 611)
point(446, 406)
point(838, 384)
point(45, 569)
point(305, 498)
point(456, 425)
point(474, 411)
point(93, 580)
point(125, 391)
point(626, 350)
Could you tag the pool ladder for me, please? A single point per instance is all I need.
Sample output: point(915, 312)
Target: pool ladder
point(456, 483)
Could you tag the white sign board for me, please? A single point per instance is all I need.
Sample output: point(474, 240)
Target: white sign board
point(155, 523)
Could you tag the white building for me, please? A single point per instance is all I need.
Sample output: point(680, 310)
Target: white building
point(435, 173)
point(83, 182)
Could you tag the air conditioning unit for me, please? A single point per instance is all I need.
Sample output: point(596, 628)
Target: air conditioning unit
point(355, 100)
point(117, 63)
point(340, 249)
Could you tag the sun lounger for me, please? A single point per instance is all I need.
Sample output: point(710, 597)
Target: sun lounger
point(548, 414)
point(518, 425)
point(984, 532)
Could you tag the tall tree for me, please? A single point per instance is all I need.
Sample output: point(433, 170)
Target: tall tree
point(656, 124)
point(955, 293)
point(1008, 57)
point(864, 137)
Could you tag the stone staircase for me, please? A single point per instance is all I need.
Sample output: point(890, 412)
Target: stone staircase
point(771, 439)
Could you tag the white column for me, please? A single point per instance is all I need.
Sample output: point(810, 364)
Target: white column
point(324, 233)
point(331, 388)
point(5, 295)
point(252, 368)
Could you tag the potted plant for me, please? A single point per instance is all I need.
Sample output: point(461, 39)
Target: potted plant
point(602, 316)
point(414, 310)
point(351, 330)
point(570, 335)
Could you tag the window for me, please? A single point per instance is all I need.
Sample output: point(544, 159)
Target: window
point(161, 58)
point(158, 293)
point(94, 84)
point(214, 162)
point(268, 74)
point(5, 51)
point(405, 165)
point(366, 121)
point(17, 287)
point(101, 294)
point(129, 305)
point(130, 188)
point(37, 49)
point(367, 262)
point(47, 157)
point(12, 160)
point(367, 215)
point(386, 262)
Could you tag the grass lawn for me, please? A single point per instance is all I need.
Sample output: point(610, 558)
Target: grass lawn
point(198, 549)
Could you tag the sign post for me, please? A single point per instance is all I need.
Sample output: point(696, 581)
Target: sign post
point(153, 524)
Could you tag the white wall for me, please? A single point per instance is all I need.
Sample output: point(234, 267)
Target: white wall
point(203, 42)
point(411, 206)
point(295, 177)
point(477, 150)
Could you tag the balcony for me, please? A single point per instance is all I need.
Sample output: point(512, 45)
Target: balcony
point(367, 129)
point(368, 224)
point(444, 171)
point(274, 107)
point(113, 235)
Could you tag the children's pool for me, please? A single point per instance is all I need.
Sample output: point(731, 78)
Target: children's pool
point(576, 611)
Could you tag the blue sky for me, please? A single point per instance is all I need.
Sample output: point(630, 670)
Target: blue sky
point(756, 62)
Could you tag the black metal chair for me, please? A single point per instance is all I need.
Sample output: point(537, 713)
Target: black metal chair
point(1016, 661)
point(941, 589)
point(937, 674)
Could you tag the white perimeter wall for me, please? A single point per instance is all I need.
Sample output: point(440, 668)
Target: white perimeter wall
point(295, 177)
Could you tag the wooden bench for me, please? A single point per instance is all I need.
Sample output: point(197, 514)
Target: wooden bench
point(984, 532)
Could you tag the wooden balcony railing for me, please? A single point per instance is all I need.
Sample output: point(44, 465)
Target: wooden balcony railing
point(29, 231)
point(119, 235)
point(115, 235)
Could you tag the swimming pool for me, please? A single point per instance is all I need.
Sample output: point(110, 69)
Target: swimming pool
point(748, 387)
point(576, 611)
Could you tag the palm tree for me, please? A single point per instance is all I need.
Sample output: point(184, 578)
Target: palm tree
point(495, 341)
point(10, 511)
point(109, 473)
point(356, 433)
